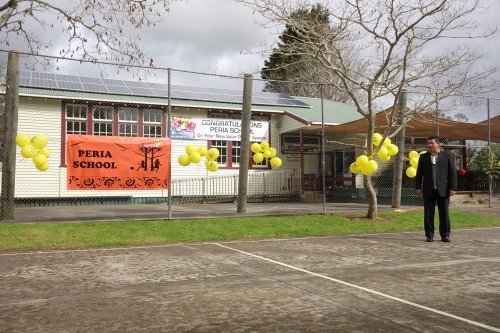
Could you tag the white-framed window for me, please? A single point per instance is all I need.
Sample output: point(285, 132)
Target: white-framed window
point(102, 117)
point(128, 122)
point(235, 152)
point(76, 119)
point(152, 123)
point(222, 146)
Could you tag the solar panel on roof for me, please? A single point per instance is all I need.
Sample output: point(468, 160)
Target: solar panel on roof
point(101, 88)
point(150, 89)
point(94, 80)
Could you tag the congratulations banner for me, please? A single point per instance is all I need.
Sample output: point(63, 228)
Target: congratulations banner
point(217, 129)
point(117, 163)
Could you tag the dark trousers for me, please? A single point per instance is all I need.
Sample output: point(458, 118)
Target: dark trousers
point(443, 203)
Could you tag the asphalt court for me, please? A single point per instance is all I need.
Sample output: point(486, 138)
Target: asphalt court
point(392, 282)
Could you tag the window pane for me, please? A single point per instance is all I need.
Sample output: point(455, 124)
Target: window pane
point(236, 152)
point(76, 111)
point(222, 146)
point(152, 116)
point(128, 130)
point(104, 129)
point(76, 127)
point(103, 113)
point(152, 131)
point(128, 114)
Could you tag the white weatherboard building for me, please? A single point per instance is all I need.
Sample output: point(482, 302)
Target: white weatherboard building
point(56, 105)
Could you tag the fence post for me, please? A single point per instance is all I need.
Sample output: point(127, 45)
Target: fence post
point(323, 153)
point(9, 150)
point(490, 181)
point(169, 135)
point(245, 144)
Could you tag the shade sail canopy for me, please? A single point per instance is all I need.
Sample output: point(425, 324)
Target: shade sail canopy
point(426, 125)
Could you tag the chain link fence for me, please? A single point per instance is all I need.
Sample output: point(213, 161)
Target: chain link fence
point(316, 134)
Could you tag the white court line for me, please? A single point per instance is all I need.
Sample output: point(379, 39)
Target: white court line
point(491, 328)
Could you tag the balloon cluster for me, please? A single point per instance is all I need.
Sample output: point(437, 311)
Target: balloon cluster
point(366, 165)
point(34, 148)
point(413, 157)
point(194, 155)
point(263, 150)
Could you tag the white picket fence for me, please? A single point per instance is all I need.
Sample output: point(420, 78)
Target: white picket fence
point(262, 185)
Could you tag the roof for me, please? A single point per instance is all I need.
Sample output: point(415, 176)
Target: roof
point(425, 125)
point(334, 113)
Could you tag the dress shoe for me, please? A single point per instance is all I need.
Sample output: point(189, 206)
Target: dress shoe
point(446, 239)
point(429, 239)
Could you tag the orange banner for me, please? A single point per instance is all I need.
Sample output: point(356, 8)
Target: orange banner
point(117, 163)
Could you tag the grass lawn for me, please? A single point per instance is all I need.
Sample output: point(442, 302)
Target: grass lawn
point(46, 236)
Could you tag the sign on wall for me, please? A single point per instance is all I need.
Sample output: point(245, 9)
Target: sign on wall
point(217, 129)
point(117, 163)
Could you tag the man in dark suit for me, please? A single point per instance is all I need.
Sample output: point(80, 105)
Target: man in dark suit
point(436, 180)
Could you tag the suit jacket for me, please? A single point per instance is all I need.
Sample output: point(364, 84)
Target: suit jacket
point(446, 177)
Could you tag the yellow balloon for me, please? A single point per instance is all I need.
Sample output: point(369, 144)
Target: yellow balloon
point(373, 165)
point(382, 152)
point(46, 152)
point(414, 162)
point(195, 157)
point(377, 138)
point(413, 154)
point(366, 169)
point(361, 160)
point(423, 152)
point(276, 162)
point(411, 172)
point(203, 151)
point(386, 142)
point(28, 151)
point(264, 145)
point(184, 160)
point(39, 141)
point(43, 167)
point(212, 154)
point(257, 158)
point(190, 148)
point(22, 139)
point(385, 158)
point(392, 149)
point(39, 159)
point(267, 153)
point(273, 151)
point(212, 166)
point(354, 167)
point(255, 147)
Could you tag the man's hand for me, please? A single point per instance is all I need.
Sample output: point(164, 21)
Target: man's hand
point(452, 193)
point(419, 192)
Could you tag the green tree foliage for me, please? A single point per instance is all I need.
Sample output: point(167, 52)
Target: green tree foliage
point(488, 161)
point(291, 65)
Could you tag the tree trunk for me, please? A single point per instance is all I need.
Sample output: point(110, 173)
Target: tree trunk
point(372, 197)
point(397, 177)
point(9, 150)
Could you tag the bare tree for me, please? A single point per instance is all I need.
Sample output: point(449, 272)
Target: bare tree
point(94, 29)
point(421, 46)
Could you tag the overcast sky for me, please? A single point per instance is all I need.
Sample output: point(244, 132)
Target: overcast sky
point(223, 36)
point(214, 36)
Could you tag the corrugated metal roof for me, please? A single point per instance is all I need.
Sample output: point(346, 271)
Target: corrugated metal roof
point(334, 112)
